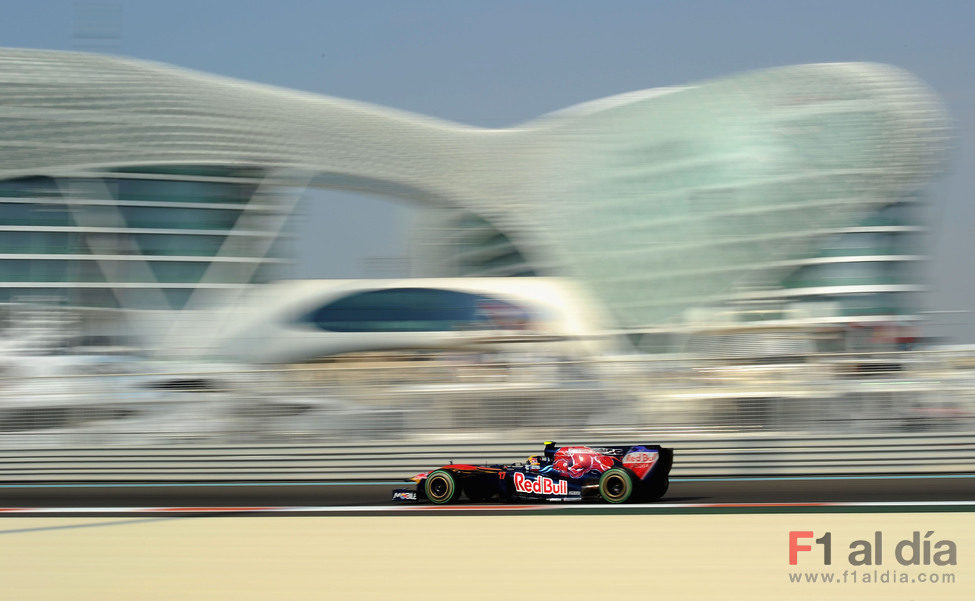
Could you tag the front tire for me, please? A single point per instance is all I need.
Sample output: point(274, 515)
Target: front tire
point(441, 487)
point(616, 485)
point(478, 490)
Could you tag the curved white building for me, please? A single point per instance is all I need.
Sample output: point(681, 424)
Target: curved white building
point(137, 185)
point(299, 320)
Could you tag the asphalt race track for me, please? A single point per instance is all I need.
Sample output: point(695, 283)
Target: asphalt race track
point(244, 541)
point(822, 489)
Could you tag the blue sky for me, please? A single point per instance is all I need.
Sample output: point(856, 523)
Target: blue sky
point(501, 62)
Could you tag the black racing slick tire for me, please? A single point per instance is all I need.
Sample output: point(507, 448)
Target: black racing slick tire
point(477, 490)
point(653, 490)
point(616, 485)
point(441, 487)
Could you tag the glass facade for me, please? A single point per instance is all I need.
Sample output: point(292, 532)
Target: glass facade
point(786, 186)
point(882, 253)
point(82, 241)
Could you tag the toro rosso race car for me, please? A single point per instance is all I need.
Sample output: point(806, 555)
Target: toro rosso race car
point(614, 474)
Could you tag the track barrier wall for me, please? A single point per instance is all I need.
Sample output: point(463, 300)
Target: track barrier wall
point(694, 456)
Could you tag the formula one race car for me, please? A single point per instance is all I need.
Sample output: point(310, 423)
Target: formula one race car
point(614, 474)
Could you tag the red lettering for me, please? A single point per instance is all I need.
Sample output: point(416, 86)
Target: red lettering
point(795, 547)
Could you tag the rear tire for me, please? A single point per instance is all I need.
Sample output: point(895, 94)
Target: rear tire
point(653, 490)
point(616, 485)
point(441, 487)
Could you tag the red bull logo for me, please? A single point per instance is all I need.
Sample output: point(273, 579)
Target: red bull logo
point(540, 485)
point(640, 462)
point(577, 461)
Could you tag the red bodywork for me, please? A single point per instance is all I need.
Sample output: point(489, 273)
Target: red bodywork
point(575, 462)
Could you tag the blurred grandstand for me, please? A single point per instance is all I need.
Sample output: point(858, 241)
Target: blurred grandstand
point(478, 395)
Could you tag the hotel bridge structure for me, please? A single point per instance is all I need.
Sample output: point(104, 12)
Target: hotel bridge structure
point(785, 195)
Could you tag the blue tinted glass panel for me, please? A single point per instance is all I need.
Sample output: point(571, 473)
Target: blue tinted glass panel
point(181, 191)
point(177, 245)
point(20, 213)
point(848, 274)
point(181, 218)
point(40, 242)
point(170, 272)
point(28, 187)
point(417, 310)
point(202, 170)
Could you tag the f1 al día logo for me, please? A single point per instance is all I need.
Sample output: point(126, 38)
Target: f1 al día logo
point(918, 549)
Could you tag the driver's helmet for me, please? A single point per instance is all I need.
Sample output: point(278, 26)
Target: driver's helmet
point(534, 463)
